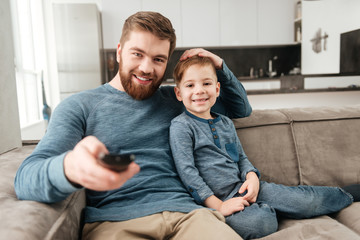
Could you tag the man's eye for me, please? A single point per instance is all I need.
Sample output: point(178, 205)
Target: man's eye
point(159, 60)
point(137, 54)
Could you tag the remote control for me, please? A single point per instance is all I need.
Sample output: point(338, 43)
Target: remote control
point(117, 162)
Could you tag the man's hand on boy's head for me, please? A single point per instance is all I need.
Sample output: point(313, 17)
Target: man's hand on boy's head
point(218, 62)
point(81, 167)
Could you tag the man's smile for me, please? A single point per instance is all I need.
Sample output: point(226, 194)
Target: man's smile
point(142, 78)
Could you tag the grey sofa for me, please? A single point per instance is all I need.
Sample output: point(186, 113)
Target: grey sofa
point(313, 146)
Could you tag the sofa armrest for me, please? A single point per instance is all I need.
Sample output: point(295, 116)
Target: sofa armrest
point(30, 219)
point(69, 223)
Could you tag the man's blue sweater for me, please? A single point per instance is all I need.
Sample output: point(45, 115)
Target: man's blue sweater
point(124, 125)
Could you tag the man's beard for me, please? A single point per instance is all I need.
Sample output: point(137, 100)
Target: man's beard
point(137, 91)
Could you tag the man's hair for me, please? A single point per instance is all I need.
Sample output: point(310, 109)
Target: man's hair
point(182, 66)
point(152, 22)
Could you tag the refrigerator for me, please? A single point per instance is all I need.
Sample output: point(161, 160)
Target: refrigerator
point(78, 38)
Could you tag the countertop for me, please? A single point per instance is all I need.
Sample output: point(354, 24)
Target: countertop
point(285, 84)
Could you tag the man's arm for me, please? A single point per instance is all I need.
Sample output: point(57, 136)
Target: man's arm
point(233, 101)
point(63, 162)
point(41, 177)
point(233, 97)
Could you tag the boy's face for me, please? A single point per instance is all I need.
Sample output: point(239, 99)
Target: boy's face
point(198, 90)
point(142, 63)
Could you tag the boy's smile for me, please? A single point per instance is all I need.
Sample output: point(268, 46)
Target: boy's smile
point(198, 90)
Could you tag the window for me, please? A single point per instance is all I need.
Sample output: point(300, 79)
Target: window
point(29, 44)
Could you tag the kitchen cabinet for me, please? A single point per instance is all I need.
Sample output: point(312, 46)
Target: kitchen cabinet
point(238, 22)
point(200, 23)
point(212, 23)
point(114, 13)
point(275, 22)
point(169, 9)
point(257, 22)
point(298, 21)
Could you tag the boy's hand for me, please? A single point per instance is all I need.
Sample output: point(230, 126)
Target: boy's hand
point(81, 167)
point(252, 185)
point(203, 53)
point(233, 205)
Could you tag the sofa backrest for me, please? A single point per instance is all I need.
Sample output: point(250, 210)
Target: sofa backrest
point(310, 146)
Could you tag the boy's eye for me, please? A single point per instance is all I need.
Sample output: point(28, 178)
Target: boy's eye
point(207, 83)
point(188, 85)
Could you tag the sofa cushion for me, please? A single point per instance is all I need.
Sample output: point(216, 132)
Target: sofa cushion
point(327, 151)
point(34, 220)
point(323, 113)
point(327, 141)
point(322, 227)
point(350, 217)
point(262, 118)
point(311, 146)
point(267, 139)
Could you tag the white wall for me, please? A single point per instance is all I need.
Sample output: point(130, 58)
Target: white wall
point(9, 116)
point(333, 17)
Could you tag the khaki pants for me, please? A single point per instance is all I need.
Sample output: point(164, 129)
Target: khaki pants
point(198, 224)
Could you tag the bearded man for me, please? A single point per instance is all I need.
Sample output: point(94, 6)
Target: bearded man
point(129, 115)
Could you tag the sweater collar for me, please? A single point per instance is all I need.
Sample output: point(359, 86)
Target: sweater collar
point(215, 120)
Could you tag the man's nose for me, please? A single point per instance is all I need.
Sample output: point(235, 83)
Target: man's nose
point(146, 66)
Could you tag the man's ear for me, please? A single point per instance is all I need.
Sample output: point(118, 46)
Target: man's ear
point(118, 51)
point(177, 93)
point(217, 89)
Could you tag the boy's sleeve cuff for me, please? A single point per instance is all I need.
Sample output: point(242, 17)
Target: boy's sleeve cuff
point(255, 170)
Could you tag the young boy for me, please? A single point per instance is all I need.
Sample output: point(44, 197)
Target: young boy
point(214, 168)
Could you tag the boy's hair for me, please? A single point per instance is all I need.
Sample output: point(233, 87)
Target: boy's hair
point(152, 22)
point(182, 66)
